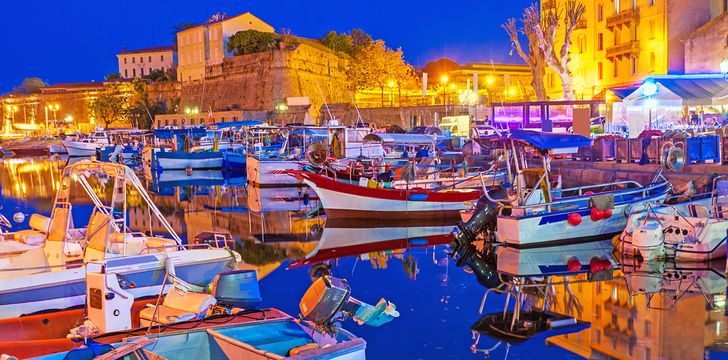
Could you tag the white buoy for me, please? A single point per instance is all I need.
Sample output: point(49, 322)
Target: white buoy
point(18, 217)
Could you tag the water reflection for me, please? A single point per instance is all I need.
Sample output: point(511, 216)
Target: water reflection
point(635, 310)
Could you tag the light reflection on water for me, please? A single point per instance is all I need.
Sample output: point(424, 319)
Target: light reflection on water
point(683, 318)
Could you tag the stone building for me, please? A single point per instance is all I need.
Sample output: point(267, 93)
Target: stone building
point(707, 47)
point(206, 44)
point(141, 62)
point(620, 42)
point(495, 82)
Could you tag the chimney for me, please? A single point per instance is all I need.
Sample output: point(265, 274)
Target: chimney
point(123, 49)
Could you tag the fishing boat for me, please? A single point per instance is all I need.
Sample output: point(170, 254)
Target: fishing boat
point(47, 273)
point(690, 231)
point(345, 238)
point(536, 211)
point(87, 146)
point(342, 200)
point(182, 157)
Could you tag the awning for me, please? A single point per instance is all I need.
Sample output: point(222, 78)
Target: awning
point(684, 90)
point(241, 123)
point(166, 134)
point(401, 139)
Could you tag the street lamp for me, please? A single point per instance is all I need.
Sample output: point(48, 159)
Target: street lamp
point(11, 118)
point(51, 107)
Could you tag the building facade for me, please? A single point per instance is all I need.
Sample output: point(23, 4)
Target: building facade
point(495, 82)
point(139, 63)
point(206, 44)
point(620, 42)
point(707, 47)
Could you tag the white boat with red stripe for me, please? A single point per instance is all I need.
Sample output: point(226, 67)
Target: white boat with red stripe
point(342, 200)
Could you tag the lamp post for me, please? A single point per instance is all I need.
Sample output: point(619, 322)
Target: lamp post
point(11, 118)
point(51, 107)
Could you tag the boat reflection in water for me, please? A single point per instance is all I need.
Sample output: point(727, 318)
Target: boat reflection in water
point(578, 298)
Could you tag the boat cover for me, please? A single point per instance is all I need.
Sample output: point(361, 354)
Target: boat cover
point(240, 123)
point(549, 140)
point(167, 134)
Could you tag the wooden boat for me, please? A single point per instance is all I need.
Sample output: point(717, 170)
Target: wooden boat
point(342, 200)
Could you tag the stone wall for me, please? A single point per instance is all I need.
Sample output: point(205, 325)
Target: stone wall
point(707, 47)
point(259, 81)
point(405, 116)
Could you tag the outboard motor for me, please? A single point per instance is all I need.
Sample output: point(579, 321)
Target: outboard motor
point(483, 264)
point(648, 240)
point(328, 301)
point(237, 289)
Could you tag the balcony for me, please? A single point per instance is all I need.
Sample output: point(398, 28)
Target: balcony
point(624, 17)
point(626, 49)
point(580, 25)
point(548, 5)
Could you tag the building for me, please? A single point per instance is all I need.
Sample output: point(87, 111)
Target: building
point(620, 42)
point(138, 63)
point(495, 82)
point(707, 47)
point(206, 44)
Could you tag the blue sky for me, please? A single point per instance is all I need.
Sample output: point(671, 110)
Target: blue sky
point(76, 40)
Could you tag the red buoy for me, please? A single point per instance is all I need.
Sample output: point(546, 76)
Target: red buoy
point(607, 213)
point(574, 219)
point(589, 193)
point(596, 214)
point(595, 265)
point(573, 265)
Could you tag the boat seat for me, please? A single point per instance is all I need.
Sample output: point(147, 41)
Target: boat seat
point(178, 306)
point(159, 244)
point(134, 244)
point(36, 235)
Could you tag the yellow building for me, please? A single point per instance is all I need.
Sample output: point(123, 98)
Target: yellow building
point(620, 42)
point(206, 44)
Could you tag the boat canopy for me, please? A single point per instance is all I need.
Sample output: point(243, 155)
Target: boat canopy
point(241, 123)
point(545, 141)
point(166, 134)
point(401, 139)
point(310, 132)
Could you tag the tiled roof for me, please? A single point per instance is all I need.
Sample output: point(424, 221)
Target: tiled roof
point(148, 50)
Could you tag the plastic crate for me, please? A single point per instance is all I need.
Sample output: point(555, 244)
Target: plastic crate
point(604, 149)
point(709, 148)
point(622, 150)
point(694, 148)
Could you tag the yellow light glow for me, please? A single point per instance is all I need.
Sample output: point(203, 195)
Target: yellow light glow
point(489, 80)
point(453, 86)
point(187, 111)
point(512, 91)
point(92, 120)
point(391, 83)
point(444, 79)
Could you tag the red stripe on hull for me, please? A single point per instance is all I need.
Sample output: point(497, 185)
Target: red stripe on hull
point(355, 250)
point(395, 216)
point(388, 194)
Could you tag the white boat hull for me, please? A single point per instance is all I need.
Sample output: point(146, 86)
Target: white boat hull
point(267, 172)
point(77, 148)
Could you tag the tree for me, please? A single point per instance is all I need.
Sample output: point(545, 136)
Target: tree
point(338, 42)
point(180, 27)
point(545, 31)
point(437, 68)
point(360, 39)
point(251, 41)
point(535, 57)
point(143, 113)
point(112, 76)
point(114, 104)
point(31, 85)
point(375, 66)
point(158, 75)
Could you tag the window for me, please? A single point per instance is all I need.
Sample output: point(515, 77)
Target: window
point(150, 71)
point(651, 25)
point(616, 37)
point(161, 58)
point(598, 337)
point(133, 72)
point(133, 60)
point(616, 6)
point(600, 41)
point(652, 2)
point(648, 328)
point(141, 59)
point(725, 5)
point(600, 75)
point(634, 4)
point(614, 343)
point(600, 12)
point(598, 310)
point(614, 319)
point(142, 70)
point(633, 63)
point(150, 58)
point(616, 68)
point(126, 73)
point(648, 354)
point(652, 62)
point(124, 61)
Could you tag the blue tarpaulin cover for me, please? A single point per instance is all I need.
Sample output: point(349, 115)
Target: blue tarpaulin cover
point(241, 123)
point(548, 140)
point(167, 134)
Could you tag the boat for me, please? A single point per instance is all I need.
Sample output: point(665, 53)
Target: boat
point(43, 269)
point(342, 200)
point(534, 210)
point(341, 239)
point(87, 146)
point(182, 157)
point(230, 333)
point(690, 231)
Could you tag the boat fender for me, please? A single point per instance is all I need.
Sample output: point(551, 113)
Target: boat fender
point(573, 265)
point(574, 219)
point(418, 242)
point(417, 197)
point(596, 214)
point(607, 213)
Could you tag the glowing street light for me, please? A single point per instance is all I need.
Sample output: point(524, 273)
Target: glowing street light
point(489, 80)
point(282, 107)
point(444, 79)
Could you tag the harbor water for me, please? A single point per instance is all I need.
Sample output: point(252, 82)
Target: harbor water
point(669, 311)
